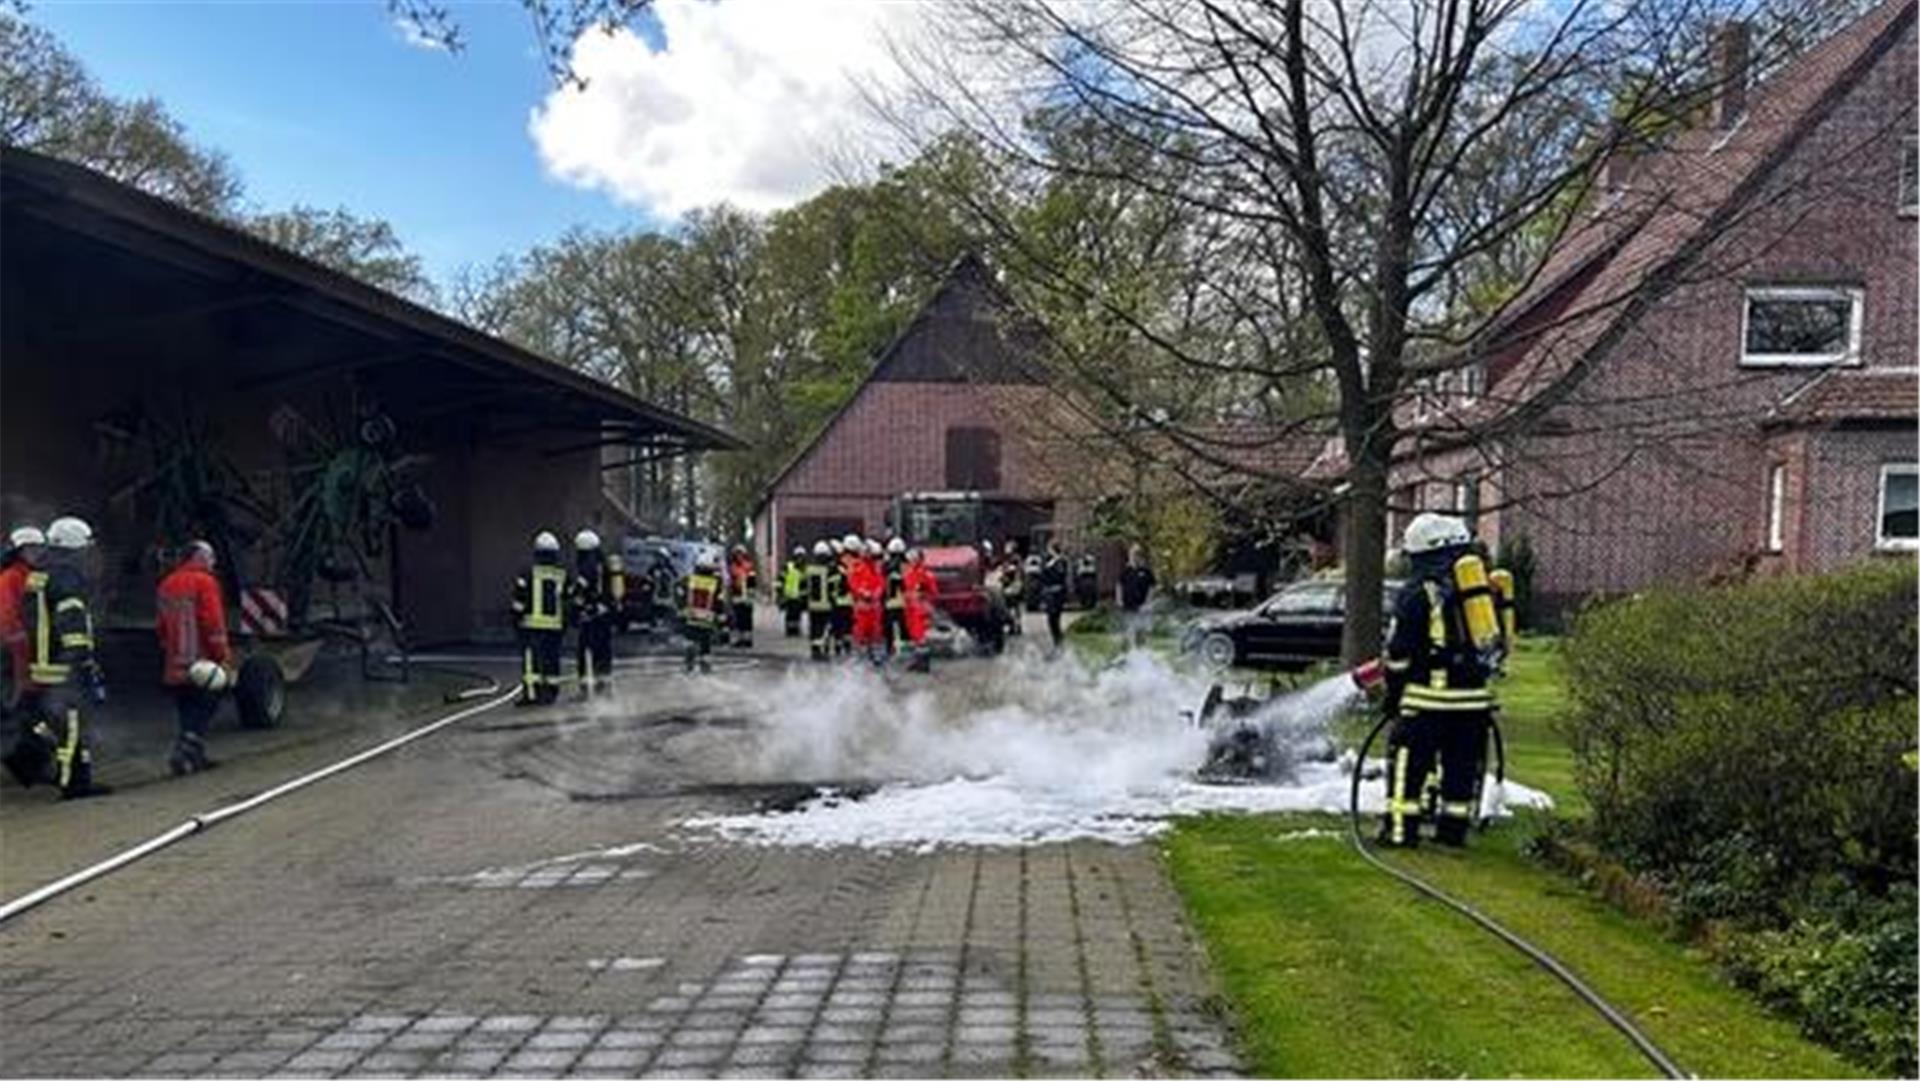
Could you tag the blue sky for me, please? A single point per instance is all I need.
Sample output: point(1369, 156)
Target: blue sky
point(325, 104)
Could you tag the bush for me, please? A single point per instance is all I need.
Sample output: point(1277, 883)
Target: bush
point(1748, 749)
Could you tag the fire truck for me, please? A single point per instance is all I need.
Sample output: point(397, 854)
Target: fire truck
point(949, 527)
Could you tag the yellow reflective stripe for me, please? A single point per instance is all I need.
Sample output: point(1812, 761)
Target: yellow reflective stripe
point(1436, 616)
point(1397, 806)
point(538, 616)
point(48, 673)
point(69, 604)
point(1456, 808)
point(1443, 694)
point(1398, 666)
point(77, 638)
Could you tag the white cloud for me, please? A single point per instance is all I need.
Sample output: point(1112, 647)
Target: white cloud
point(749, 101)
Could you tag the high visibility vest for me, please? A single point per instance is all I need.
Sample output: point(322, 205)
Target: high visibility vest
point(790, 582)
point(47, 665)
point(896, 588)
point(818, 597)
point(841, 587)
point(1435, 693)
point(546, 595)
point(703, 599)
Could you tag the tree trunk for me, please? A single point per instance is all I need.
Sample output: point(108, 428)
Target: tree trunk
point(1364, 553)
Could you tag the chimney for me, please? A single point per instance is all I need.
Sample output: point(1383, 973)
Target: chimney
point(1732, 52)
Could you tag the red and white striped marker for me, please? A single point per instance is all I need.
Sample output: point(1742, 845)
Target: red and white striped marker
point(263, 612)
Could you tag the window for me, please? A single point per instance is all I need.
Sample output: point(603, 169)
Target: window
point(1801, 325)
point(1466, 500)
point(1776, 507)
point(973, 459)
point(1899, 507)
point(1308, 598)
point(1910, 176)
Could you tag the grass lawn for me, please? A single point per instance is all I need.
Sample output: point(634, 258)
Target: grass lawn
point(1335, 970)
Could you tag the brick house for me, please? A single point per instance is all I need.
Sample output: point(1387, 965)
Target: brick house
point(954, 403)
point(1753, 412)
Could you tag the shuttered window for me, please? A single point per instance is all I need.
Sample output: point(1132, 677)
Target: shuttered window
point(973, 459)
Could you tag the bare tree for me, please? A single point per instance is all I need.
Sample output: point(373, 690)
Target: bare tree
point(1370, 183)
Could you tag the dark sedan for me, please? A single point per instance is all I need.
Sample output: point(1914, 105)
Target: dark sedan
point(1292, 630)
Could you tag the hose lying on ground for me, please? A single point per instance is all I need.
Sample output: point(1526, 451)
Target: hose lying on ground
point(1613, 1015)
point(200, 822)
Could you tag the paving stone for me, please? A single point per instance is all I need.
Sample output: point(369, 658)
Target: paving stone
point(626, 1037)
point(842, 996)
point(322, 1060)
point(714, 1019)
point(828, 1069)
point(183, 1060)
point(984, 1034)
point(676, 1071)
point(843, 1015)
point(618, 1058)
point(257, 1060)
point(576, 1023)
point(473, 1062)
point(918, 1051)
point(773, 1034)
point(511, 1022)
point(379, 1022)
point(836, 1052)
point(784, 1017)
point(790, 1001)
point(422, 1041)
point(1056, 1016)
point(393, 1062)
point(765, 1054)
point(701, 1037)
point(444, 1022)
point(915, 1015)
point(838, 1033)
point(979, 1053)
point(993, 1015)
point(926, 1033)
point(555, 1041)
point(691, 1056)
point(669, 1004)
point(352, 1040)
point(987, 998)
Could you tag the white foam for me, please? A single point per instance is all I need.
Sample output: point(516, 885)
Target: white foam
point(1036, 753)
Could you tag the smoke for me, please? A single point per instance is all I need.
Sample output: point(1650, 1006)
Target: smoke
point(1036, 723)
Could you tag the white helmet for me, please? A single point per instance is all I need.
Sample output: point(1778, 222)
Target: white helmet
point(208, 675)
point(822, 548)
point(896, 547)
point(835, 547)
point(70, 533)
point(851, 540)
point(587, 541)
point(25, 535)
point(1430, 532)
point(873, 547)
point(544, 541)
point(799, 550)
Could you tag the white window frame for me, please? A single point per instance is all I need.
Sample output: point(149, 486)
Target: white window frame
point(1850, 356)
point(1776, 507)
point(1882, 542)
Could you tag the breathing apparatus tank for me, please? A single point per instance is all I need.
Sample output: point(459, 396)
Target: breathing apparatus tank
point(1502, 581)
point(1477, 609)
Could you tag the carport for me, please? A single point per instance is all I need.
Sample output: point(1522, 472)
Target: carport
point(128, 325)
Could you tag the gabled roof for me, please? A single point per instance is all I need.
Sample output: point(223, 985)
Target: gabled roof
point(969, 331)
point(1842, 395)
point(1679, 199)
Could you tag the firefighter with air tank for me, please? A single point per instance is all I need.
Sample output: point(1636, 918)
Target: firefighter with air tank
point(1452, 626)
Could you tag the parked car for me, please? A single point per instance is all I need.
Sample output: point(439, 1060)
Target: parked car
point(1290, 631)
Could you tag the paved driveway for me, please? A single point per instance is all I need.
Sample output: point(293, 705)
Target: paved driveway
point(508, 898)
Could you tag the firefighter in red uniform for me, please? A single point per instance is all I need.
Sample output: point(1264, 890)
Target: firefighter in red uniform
point(192, 625)
point(921, 590)
point(23, 551)
point(868, 584)
point(742, 580)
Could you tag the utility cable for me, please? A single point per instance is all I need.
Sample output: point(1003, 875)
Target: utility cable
point(1560, 971)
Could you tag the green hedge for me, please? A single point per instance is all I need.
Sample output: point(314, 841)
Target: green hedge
point(1749, 749)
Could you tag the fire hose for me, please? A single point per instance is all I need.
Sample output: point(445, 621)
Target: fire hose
point(1614, 1016)
point(199, 822)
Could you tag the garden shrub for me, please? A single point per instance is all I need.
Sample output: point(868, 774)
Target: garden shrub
point(1747, 748)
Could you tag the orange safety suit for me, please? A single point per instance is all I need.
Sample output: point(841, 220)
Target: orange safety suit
point(192, 623)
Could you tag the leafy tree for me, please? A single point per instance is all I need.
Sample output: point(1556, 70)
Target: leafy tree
point(51, 105)
point(365, 248)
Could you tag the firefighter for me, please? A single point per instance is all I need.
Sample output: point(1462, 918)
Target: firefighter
point(819, 590)
point(1436, 688)
point(590, 608)
point(192, 625)
point(62, 672)
point(22, 553)
point(921, 591)
point(843, 594)
point(867, 582)
point(742, 580)
point(792, 590)
point(701, 612)
point(540, 608)
point(1054, 575)
point(893, 624)
point(1013, 580)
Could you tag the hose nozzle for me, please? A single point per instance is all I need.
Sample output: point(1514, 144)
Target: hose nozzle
point(1370, 677)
